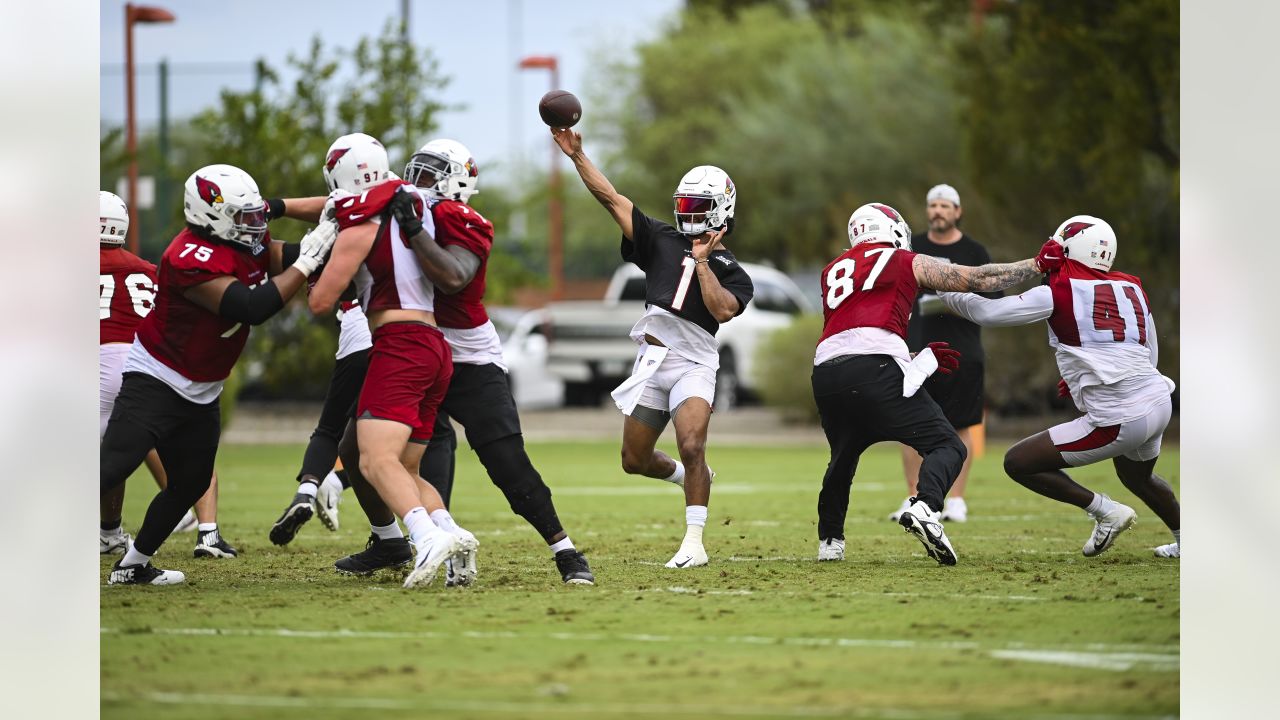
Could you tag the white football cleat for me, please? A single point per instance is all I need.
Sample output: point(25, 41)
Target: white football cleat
point(460, 569)
point(328, 495)
point(143, 575)
point(896, 515)
point(954, 510)
point(688, 556)
point(188, 523)
point(830, 549)
point(926, 525)
point(113, 544)
point(1108, 527)
point(1168, 551)
point(430, 555)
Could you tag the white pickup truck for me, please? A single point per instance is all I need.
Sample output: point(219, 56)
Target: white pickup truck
point(590, 348)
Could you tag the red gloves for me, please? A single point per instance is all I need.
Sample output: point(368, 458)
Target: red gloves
point(948, 359)
point(1063, 390)
point(1050, 257)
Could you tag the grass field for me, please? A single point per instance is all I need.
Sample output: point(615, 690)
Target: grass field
point(1023, 627)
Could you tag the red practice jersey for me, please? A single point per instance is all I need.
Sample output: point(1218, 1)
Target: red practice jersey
point(126, 294)
point(458, 224)
point(390, 277)
point(1092, 307)
point(200, 345)
point(871, 285)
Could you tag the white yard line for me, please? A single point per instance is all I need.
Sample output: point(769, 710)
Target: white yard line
point(1164, 651)
point(556, 707)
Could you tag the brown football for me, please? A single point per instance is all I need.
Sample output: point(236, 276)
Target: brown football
point(560, 109)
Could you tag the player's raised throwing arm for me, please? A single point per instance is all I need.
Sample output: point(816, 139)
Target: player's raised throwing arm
point(619, 206)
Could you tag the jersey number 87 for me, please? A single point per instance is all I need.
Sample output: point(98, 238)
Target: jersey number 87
point(840, 276)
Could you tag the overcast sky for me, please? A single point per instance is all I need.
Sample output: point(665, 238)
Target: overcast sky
point(214, 45)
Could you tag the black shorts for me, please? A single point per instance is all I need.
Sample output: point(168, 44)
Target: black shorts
point(960, 394)
point(479, 398)
point(150, 414)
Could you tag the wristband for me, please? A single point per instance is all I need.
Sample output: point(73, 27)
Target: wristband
point(275, 208)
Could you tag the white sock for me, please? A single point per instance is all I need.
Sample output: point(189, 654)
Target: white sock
point(419, 525)
point(308, 488)
point(677, 475)
point(1177, 539)
point(133, 557)
point(1100, 506)
point(116, 531)
point(207, 527)
point(565, 544)
point(387, 532)
point(695, 517)
point(443, 519)
point(332, 482)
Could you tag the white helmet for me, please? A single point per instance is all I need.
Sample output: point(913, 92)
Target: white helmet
point(113, 216)
point(704, 199)
point(445, 169)
point(355, 163)
point(1088, 240)
point(224, 201)
point(877, 222)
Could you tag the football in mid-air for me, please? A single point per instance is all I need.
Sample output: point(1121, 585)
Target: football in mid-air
point(560, 109)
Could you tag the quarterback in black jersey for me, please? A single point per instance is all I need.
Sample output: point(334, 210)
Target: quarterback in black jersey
point(692, 286)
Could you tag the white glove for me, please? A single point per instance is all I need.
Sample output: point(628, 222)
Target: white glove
point(918, 370)
point(315, 247)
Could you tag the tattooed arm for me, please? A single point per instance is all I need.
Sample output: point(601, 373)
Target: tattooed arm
point(959, 278)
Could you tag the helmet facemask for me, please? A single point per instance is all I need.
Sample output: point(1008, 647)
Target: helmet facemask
point(704, 201)
point(441, 176)
point(248, 225)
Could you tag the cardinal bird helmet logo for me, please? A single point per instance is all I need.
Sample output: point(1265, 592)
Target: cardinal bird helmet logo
point(334, 157)
point(209, 191)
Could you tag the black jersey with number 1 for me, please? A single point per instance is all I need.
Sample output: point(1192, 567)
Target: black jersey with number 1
point(671, 282)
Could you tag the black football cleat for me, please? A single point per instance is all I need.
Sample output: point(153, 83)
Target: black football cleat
point(377, 555)
point(294, 517)
point(573, 568)
point(211, 544)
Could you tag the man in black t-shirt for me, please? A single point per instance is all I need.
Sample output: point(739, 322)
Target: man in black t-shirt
point(961, 393)
point(692, 286)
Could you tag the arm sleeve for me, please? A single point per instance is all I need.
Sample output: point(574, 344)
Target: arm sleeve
point(637, 249)
point(1031, 306)
point(289, 254)
point(250, 305)
point(738, 283)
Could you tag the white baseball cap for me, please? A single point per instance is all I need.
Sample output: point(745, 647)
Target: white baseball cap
point(943, 192)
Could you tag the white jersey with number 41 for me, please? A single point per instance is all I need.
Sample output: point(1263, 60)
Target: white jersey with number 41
point(1102, 333)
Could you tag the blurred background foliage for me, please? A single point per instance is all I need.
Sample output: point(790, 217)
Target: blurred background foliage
point(1035, 110)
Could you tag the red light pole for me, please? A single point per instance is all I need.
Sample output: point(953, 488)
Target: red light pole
point(555, 250)
point(135, 14)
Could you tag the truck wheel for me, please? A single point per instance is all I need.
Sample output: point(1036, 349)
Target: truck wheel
point(727, 382)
